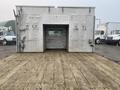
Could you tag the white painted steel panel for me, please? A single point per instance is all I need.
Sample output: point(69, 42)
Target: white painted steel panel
point(81, 28)
point(30, 30)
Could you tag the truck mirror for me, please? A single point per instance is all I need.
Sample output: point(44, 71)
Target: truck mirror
point(102, 32)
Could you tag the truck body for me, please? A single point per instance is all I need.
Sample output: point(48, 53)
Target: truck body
point(7, 37)
point(100, 33)
point(113, 33)
point(41, 28)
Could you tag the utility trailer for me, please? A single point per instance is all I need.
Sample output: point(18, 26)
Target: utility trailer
point(58, 69)
point(113, 33)
point(40, 28)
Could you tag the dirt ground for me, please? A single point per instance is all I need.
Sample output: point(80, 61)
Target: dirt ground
point(58, 70)
point(109, 51)
point(6, 51)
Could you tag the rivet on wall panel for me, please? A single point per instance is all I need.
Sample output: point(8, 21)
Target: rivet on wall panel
point(71, 17)
point(89, 9)
point(21, 9)
point(62, 10)
point(49, 9)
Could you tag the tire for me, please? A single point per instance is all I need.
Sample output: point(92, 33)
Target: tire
point(119, 43)
point(4, 42)
point(97, 41)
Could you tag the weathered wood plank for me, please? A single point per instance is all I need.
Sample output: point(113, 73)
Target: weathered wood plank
point(47, 82)
point(34, 82)
point(114, 66)
point(58, 73)
point(78, 76)
point(3, 80)
point(58, 70)
point(106, 69)
point(20, 77)
point(106, 80)
point(92, 82)
point(70, 82)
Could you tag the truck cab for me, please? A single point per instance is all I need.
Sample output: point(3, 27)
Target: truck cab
point(113, 37)
point(99, 36)
point(7, 37)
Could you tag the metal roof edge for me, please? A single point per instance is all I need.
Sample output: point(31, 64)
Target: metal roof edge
point(112, 22)
point(54, 6)
point(34, 6)
point(75, 7)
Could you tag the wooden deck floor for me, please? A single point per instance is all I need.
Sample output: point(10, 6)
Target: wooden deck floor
point(58, 71)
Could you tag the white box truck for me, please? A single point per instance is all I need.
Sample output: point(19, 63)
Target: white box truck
point(41, 28)
point(7, 37)
point(100, 33)
point(113, 33)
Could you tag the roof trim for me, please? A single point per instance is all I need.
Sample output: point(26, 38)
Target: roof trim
point(54, 6)
point(74, 7)
point(113, 22)
point(34, 6)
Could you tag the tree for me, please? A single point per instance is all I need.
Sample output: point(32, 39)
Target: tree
point(11, 23)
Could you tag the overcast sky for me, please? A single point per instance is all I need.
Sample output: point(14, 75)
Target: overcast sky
point(106, 10)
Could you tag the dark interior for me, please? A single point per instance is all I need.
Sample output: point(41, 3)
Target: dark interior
point(55, 37)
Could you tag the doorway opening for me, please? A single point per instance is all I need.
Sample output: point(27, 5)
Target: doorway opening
point(55, 37)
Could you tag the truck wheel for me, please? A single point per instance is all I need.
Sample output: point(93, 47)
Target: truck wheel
point(97, 41)
point(119, 43)
point(4, 42)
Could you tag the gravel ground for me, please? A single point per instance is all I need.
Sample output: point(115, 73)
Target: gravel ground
point(110, 51)
point(6, 51)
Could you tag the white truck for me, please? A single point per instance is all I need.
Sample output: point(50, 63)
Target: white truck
point(7, 37)
point(100, 33)
point(113, 33)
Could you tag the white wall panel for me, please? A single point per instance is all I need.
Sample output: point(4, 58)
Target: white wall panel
point(32, 19)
